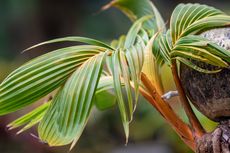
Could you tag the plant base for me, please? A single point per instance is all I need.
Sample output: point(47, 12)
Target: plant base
point(217, 141)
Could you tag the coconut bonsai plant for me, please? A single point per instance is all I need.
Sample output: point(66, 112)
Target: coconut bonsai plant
point(82, 75)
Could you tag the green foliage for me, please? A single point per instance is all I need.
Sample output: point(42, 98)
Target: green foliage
point(190, 18)
point(181, 42)
point(41, 76)
point(74, 39)
point(105, 98)
point(128, 70)
point(71, 107)
point(83, 75)
point(79, 75)
point(30, 119)
point(136, 9)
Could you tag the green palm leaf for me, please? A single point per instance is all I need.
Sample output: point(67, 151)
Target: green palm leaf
point(69, 112)
point(74, 39)
point(187, 21)
point(30, 119)
point(104, 97)
point(136, 9)
point(126, 76)
point(77, 72)
point(207, 23)
point(135, 45)
point(126, 65)
point(165, 45)
point(185, 16)
point(117, 44)
point(202, 47)
point(42, 75)
point(195, 67)
point(134, 31)
point(117, 74)
point(135, 60)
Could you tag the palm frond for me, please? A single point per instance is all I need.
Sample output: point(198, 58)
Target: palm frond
point(186, 16)
point(206, 51)
point(195, 67)
point(134, 31)
point(30, 119)
point(165, 45)
point(129, 60)
point(116, 71)
point(85, 40)
point(68, 114)
point(41, 76)
point(183, 42)
point(78, 70)
point(136, 9)
point(135, 60)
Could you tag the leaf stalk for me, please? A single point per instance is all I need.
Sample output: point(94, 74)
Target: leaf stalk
point(197, 128)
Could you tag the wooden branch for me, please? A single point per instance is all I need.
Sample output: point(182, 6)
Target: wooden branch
point(196, 126)
point(182, 129)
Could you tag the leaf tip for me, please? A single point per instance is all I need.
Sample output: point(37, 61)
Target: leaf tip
point(107, 6)
point(19, 132)
point(72, 145)
point(10, 127)
point(126, 140)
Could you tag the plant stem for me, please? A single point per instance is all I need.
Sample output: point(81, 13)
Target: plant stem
point(166, 111)
point(197, 127)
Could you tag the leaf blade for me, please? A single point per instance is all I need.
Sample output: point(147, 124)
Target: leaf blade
point(89, 41)
point(68, 115)
point(43, 74)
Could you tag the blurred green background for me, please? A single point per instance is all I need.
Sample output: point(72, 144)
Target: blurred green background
point(26, 22)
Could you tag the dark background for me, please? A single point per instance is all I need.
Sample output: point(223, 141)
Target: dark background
point(26, 22)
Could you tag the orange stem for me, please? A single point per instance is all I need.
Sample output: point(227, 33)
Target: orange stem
point(166, 111)
point(197, 127)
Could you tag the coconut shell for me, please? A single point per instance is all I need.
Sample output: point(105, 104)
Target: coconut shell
point(210, 93)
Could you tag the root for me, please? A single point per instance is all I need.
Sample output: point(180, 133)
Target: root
point(217, 141)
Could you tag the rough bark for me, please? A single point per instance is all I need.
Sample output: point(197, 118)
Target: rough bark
point(217, 141)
